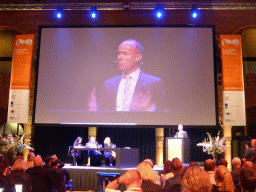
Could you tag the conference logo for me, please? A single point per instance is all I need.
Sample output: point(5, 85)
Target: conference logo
point(230, 42)
point(22, 41)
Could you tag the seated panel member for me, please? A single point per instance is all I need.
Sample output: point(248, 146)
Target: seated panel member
point(80, 155)
point(110, 156)
point(181, 133)
point(95, 155)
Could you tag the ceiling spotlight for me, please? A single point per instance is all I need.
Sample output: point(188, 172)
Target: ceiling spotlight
point(59, 12)
point(194, 12)
point(93, 12)
point(159, 11)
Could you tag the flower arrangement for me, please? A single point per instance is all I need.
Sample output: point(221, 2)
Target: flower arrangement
point(213, 145)
point(14, 144)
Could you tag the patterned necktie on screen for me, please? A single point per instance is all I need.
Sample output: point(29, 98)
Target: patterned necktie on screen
point(127, 94)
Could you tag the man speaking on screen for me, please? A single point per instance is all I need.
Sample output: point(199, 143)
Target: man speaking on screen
point(133, 90)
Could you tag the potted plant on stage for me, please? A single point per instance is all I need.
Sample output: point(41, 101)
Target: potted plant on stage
point(13, 146)
point(213, 145)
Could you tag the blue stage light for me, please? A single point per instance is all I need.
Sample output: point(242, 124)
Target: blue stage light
point(195, 13)
point(59, 13)
point(93, 13)
point(159, 12)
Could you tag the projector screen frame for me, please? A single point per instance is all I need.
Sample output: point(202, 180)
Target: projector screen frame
point(124, 26)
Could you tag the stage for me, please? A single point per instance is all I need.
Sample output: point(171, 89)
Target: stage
point(85, 178)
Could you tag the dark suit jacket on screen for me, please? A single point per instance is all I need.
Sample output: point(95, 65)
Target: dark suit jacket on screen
point(149, 89)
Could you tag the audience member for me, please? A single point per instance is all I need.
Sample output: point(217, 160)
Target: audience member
point(196, 180)
point(248, 164)
point(58, 176)
point(209, 167)
point(4, 174)
point(250, 151)
point(148, 177)
point(174, 184)
point(222, 162)
point(253, 144)
point(30, 160)
point(223, 180)
point(236, 162)
point(167, 174)
point(18, 171)
point(248, 180)
point(131, 179)
point(48, 162)
point(151, 163)
point(41, 178)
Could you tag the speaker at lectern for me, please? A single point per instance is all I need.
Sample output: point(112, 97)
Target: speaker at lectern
point(178, 147)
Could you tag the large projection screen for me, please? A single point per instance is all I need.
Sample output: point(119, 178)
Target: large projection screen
point(79, 76)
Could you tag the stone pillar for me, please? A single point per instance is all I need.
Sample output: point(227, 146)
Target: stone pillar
point(27, 139)
point(92, 131)
point(227, 131)
point(159, 145)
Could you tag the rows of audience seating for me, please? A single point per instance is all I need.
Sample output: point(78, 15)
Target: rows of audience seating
point(32, 175)
point(213, 177)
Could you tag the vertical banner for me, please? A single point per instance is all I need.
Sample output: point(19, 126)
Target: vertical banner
point(233, 83)
point(18, 108)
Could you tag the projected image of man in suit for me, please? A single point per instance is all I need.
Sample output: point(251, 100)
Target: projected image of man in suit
point(133, 90)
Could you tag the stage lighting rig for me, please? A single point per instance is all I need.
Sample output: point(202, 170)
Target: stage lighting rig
point(194, 12)
point(159, 11)
point(59, 12)
point(93, 12)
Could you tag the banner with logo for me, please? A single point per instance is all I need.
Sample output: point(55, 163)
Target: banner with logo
point(233, 83)
point(18, 109)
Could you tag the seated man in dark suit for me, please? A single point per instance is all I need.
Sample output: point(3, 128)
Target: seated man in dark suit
point(41, 178)
point(133, 90)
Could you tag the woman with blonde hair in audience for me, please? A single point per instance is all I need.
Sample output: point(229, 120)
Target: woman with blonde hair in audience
point(196, 180)
point(167, 172)
point(224, 181)
point(148, 178)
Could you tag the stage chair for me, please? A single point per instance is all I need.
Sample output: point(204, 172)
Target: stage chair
point(104, 178)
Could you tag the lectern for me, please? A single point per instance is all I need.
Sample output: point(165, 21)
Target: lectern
point(178, 147)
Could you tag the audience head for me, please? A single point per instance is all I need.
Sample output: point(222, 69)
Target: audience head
point(150, 161)
point(31, 156)
point(236, 162)
point(132, 178)
point(224, 179)
point(192, 164)
point(253, 142)
point(47, 160)
point(146, 172)
point(55, 162)
point(248, 144)
point(16, 158)
point(248, 164)
point(209, 165)
point(38, 161)
point(19, 165)
point(167, 167)
point(248, 179)
point(4, 165)
point(176, 165)
point(196, 180)
point(222, 162)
